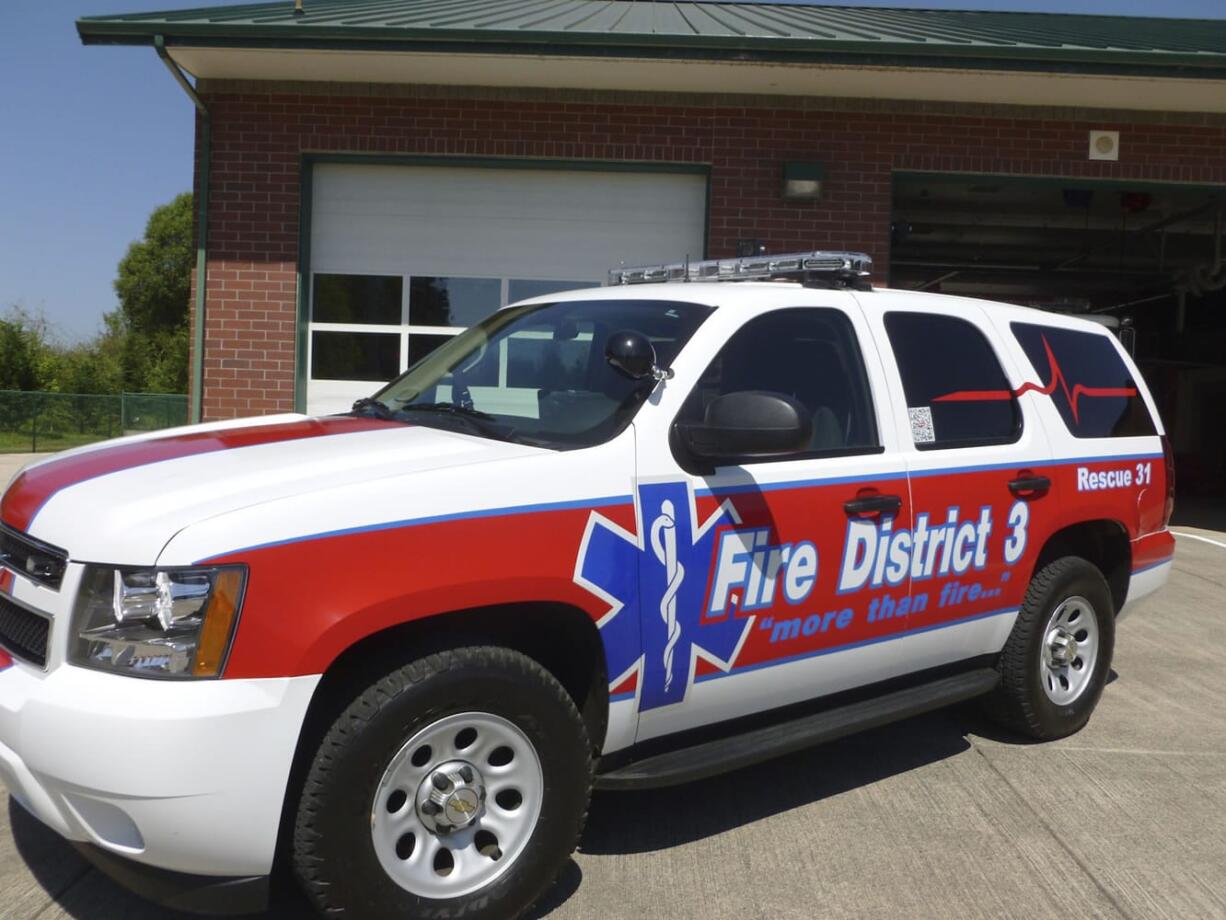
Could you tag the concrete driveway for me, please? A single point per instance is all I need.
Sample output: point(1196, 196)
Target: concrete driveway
point(939, 817)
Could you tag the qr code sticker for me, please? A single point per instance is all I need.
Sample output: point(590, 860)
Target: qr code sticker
point(922, 431)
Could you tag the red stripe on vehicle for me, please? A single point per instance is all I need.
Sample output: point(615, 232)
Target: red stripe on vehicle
point(34, 487)
point(6, 660)
point(6, 580)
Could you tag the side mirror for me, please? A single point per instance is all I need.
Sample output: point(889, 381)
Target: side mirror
point(632, 354)
point(749, 425)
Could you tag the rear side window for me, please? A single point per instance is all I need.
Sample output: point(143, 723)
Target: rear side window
point(1092, 387)
point(957, 392)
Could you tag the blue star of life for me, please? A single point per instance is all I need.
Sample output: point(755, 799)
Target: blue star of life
point(656, 585)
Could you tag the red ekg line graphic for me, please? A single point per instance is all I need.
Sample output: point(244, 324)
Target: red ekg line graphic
point(1057, 379)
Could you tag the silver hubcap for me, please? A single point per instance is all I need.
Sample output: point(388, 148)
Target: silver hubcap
point(457, 805)
point(1070, 651)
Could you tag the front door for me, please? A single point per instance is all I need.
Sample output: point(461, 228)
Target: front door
point(768, 583)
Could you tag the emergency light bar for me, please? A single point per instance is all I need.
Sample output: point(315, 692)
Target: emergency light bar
point(839, 269)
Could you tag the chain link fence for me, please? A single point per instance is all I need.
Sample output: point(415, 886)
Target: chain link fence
point(56, 421)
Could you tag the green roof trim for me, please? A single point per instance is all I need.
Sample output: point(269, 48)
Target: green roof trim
point(697, 30)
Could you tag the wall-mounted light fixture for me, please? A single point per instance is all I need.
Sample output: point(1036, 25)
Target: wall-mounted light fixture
point(802, 180)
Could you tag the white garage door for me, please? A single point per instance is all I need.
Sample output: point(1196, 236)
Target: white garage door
point(403, 256)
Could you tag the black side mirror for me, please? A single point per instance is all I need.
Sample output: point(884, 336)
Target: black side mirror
point(746, 426)
point(632, 354)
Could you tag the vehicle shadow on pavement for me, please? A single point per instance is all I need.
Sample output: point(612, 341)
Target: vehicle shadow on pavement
point(638, 822)
point(618, 823)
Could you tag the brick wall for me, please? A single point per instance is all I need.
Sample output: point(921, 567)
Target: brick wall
point(260, 133)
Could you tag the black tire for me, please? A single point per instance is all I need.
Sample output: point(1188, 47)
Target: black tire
point(1020, 702)
point(333, 853)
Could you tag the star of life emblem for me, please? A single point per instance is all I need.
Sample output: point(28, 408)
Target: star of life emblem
point(655, 582)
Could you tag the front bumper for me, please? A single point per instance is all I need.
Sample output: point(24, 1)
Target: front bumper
point(185, 776)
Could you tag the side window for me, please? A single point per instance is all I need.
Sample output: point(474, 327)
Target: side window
point(957, 392)
point(1091, 385)
point(809, 354)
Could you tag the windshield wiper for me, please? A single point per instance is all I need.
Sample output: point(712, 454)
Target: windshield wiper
point(451, 408)
point(368, 405)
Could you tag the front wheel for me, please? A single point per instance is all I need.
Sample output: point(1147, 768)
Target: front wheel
point(1055, 663)
point(456, 786)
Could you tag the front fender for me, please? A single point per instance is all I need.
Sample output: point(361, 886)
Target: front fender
point(307, 601)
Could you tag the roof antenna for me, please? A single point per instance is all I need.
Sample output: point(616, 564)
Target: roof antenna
point(298, 10)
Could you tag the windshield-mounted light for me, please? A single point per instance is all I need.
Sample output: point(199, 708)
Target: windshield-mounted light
point(175, 623)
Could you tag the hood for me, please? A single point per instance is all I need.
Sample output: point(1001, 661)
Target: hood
point(122, 501)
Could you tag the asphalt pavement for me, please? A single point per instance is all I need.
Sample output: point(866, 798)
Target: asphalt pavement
point(941, 816)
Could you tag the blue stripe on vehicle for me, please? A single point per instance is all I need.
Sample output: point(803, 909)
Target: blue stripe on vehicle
point(775, 662)
point(1153, 565)
point(610, 501)
point(888, 476)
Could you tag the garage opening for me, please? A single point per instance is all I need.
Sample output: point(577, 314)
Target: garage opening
point(1145, 260)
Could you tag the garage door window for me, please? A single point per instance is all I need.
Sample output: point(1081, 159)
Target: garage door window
point(360, 299)
point(354, 356)
point(523, 289)
point(374, 327)
point(452, 302)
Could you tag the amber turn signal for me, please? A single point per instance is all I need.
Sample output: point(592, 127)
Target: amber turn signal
point(218, 624)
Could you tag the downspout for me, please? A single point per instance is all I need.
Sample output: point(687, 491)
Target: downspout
point(202, 227)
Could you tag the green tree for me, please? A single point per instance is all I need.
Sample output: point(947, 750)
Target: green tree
point(95, 366)
point(154, 288)
point(26, 358)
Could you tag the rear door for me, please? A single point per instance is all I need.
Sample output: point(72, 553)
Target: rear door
point(1108, 461)
point(978, 458)
point(749, 597)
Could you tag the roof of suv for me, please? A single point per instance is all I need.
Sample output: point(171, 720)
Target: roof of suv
point(763, 295)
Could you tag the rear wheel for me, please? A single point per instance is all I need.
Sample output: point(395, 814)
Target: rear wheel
point(1055, 663)
point(454, 786)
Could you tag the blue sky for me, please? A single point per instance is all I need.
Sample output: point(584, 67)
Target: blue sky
point(95, 138)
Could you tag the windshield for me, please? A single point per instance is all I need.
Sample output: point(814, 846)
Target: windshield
point(537, 374)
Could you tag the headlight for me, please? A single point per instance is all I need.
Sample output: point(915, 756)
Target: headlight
point(156, 622)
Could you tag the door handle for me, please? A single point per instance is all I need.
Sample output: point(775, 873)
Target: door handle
point(872, 505)
point(1030, 486)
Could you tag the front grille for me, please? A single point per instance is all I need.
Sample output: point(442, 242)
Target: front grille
point(38, 561)
point(23, 632)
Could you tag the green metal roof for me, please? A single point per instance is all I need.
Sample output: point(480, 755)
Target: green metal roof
point(700, 30)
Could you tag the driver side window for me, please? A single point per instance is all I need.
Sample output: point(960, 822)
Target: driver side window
point(809, 354)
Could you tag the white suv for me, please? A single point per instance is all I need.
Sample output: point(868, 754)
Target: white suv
point(623, 537)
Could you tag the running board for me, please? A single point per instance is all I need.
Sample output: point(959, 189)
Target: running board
point(756, 745)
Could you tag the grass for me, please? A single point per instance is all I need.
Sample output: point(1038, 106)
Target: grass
point(16, 442)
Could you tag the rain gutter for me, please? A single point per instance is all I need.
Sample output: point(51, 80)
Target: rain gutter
point(202, 227)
